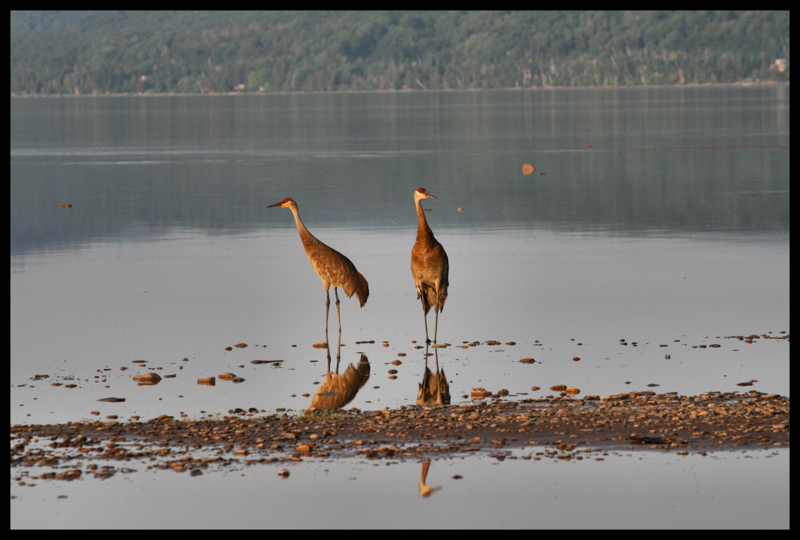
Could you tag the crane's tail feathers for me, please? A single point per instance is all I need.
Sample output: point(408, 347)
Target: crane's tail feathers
point(362, 291)
point(357, 285)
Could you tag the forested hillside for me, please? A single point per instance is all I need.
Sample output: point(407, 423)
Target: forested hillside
point(191, 52)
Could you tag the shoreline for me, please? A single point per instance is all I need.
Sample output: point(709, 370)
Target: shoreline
point(406, 90)
point(556, 427)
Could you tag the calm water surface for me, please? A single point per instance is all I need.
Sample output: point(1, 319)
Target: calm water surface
point(658, 216)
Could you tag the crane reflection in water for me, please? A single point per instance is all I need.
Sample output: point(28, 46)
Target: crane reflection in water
point(337, 390)
point(434, 388)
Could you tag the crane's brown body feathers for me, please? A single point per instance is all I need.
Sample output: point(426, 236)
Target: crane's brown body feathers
point(429, 266)
point(334, 268)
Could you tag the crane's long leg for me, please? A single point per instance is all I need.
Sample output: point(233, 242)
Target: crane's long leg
point(327, 309)
point(338, 315)
point(436, 326)
point(425, 315)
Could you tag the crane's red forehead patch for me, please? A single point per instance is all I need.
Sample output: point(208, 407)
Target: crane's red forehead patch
point(421, 190)
point(287, 199)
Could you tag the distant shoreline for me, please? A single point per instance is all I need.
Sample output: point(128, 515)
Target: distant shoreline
point(405, 91)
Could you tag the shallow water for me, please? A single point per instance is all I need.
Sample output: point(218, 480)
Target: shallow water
point(625, 490)
point(654, 216)
point(190, 297)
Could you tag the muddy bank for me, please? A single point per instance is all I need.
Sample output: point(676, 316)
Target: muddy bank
point(559, 427)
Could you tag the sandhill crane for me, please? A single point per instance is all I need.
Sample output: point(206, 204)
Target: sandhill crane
point(330, 265)
point(429, 266)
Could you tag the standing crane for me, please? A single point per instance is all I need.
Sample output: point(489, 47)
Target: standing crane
point(429, 266)
point(330, 265)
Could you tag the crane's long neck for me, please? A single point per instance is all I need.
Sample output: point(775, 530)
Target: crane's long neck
point(306, 237)
point(424, 233)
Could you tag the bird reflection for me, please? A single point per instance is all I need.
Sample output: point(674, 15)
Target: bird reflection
point(424, 489)
point(330, 265)
point(434, 389)
point(336, 390)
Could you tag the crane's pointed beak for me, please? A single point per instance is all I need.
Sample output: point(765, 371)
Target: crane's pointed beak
point(274, 205)
point(429, 196)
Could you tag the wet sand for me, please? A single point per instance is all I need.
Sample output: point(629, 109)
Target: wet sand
point(558, 427)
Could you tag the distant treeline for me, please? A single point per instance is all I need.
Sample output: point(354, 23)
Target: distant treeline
point(191, 52)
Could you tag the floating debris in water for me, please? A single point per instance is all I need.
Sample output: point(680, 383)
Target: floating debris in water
point(479, 393)
point(148, 379)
